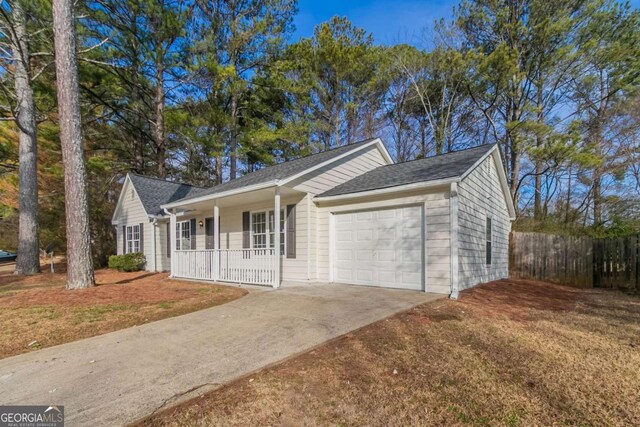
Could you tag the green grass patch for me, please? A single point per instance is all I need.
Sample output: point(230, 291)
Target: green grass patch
point(166, 304)
point(97, 312)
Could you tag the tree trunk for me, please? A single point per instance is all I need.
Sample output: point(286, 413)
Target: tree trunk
point(537, 204)
point(218, 169)
point(28, 261)
point(79, 261)
point(233, 143)
point(597, 189)
point(158, 128)
point(423, 138)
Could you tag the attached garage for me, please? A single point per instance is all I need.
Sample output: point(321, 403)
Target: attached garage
point(380, 247)
point(439, 224)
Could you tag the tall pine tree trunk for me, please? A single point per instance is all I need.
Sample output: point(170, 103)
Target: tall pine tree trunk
point(158, 129)
point(537, 204)
point(28, 261)
point(233, 143)
point(79, 262)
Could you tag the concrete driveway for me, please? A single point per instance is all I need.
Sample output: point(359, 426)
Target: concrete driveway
point(117, 378)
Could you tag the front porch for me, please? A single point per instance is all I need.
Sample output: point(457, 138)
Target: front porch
point(233, 238)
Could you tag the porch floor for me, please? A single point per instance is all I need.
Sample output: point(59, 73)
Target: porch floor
point(145, 368)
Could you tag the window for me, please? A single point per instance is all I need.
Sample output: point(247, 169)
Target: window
point(183, 235)
point(262, 232)
point(272, 239)
point(259, 230)
point(488, 238)
point(133, 239)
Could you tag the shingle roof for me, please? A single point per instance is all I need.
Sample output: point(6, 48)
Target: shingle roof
point(450, 165)
point(154, 192)
point(280, 171)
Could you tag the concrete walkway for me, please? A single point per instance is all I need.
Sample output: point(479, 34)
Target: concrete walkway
point(117, 378)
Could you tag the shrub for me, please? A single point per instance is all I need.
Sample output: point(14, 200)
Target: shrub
point(127, 262)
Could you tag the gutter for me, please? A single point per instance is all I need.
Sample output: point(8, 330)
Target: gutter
point(388, 190)
point(215, 196)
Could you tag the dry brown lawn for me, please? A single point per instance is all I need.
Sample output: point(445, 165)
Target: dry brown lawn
point(508, 353)
point(37, 311)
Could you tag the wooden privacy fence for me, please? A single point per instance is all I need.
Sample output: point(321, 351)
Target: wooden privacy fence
point(576, 261)
point(558, 259)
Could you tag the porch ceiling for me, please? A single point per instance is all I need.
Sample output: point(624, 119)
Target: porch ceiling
point(258, 196)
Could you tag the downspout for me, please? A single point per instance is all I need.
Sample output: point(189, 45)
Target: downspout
point(454, 242)
point(154, 224)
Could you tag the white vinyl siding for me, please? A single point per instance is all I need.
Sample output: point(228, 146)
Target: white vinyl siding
point(481, 197)
point(339, 172)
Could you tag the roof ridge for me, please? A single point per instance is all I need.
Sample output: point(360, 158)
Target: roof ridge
point(155, 178)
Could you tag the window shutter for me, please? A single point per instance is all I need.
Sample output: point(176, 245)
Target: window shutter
point(291, 231)
point(246, 232)
point(124, 239)
point(141, 237)
point(169, 240)
point(193, 233)
point(208, 229)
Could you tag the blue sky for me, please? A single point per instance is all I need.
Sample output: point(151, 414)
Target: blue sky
point(390, 21)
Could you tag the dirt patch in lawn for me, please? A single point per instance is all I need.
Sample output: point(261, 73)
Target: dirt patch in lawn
point(37, 311)
point(507, 353)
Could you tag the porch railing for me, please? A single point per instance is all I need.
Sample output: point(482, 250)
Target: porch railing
point(253, 266)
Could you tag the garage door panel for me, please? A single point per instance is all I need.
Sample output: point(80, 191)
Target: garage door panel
point(409, 278)
point(344, 274)
point(364, 255)
point(344, 218)
point(364, 235)
point(386, 255)
point(380, 247)
point(364, 276)
point(363, 216)
point(345, 236)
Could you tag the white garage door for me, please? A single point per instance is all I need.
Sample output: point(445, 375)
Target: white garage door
point(380, 247)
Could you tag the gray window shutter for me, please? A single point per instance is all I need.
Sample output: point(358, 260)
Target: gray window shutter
point(169, 240)
point(124, 239)
point(193, 233)
point(208, 229)
point(142, 237)
point(246, 232)
point(291, 231)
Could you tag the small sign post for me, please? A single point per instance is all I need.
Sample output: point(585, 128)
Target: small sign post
point(49, 251)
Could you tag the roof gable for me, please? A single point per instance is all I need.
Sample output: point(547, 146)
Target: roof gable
point(124, 204)
point(154, 192)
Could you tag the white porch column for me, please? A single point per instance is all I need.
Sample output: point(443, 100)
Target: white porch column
point(276, 223)
point(216, 225)
point(216, 240)
point(172, 240)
